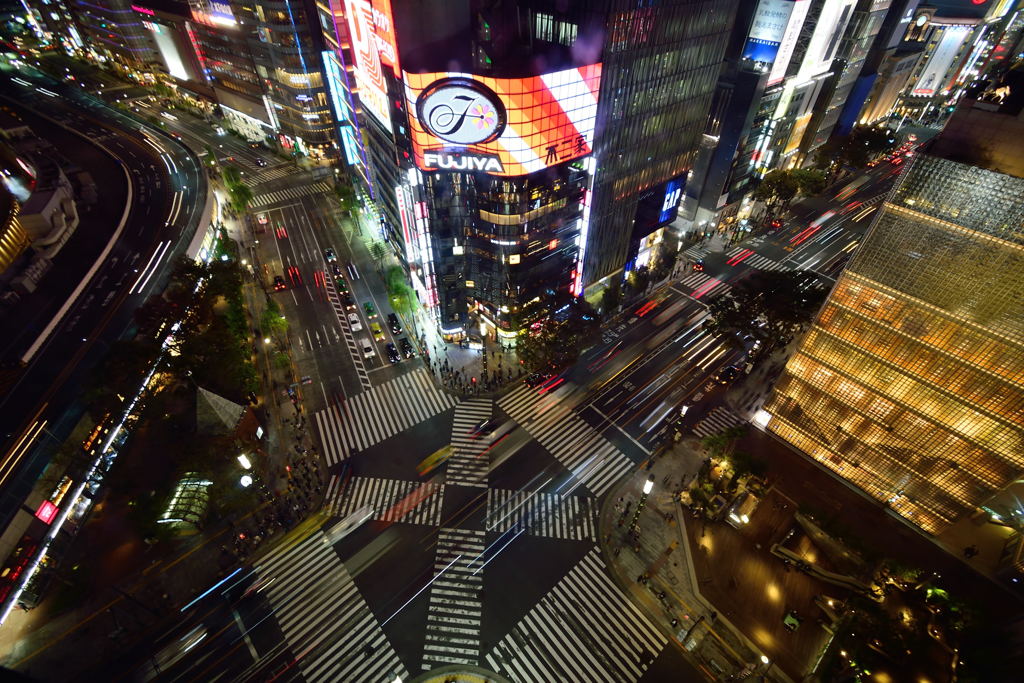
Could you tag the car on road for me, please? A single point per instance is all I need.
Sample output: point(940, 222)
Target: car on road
point(262, 219)
point(535, 379)
point(347, 300)
point(336, 271)
point(393, 353)
point(219, 130)
point(396, 327)
point(354, 322)
point(406, 346)
point(371, 312)
point(367, 348)
point(330, 255)
point(279, 284)
point(261, 162)
point(727, 375)
point(353, 272)
point(378, 331)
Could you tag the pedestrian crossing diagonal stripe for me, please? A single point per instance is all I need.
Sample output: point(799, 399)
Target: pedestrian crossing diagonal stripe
point(467, 465)
point(718, 420)
point(584, 629)
point(393, 500)
point(570, 518)
point(764, 263)
point(575, 444)
point(326, 623)
point(278, 196)
point(379, 413)
point(703, 285)
point(452, 635)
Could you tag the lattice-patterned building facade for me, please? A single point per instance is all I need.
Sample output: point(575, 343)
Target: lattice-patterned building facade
point(910, 383)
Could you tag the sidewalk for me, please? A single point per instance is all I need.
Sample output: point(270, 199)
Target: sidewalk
point(653, 565)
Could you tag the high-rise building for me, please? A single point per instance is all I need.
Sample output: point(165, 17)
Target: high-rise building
point(519, 152)
point(910, 383)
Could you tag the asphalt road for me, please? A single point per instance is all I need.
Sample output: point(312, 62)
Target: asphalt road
point(168, 193)
point(491, 558)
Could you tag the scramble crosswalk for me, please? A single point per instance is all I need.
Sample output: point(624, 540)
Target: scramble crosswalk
point(365, 419)
point(392, 500)
point(572, 518)
point(718, 420)
point(279, 196)
point(327, 624)
point(748, 257)
point(467, 465)
point(452, 635)
point(584, 629)
point(575, 444)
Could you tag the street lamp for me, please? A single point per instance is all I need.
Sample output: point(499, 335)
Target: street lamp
point(648, 487)
point(245, 481)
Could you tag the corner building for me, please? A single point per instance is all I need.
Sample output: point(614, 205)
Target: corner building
point(910, 384)
point(519, 152)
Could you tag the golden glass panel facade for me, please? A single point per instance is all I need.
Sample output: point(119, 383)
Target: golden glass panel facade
point(910, 383)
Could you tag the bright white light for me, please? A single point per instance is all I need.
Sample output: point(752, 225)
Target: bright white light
point(764, 659)
point(762, 418)
point(648, 486)
point(245, 481)
point(244, 462)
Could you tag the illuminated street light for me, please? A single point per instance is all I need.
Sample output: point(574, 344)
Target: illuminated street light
point(266, 340)
point(648, 485)
point(764, 659)
point(245, 481)
point(244, 462)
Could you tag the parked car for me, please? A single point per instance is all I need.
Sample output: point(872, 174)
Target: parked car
point(354, 322)
point(406, 346)
point(393, 353)
point(396, 327)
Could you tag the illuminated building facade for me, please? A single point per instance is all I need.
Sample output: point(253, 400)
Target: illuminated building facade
point(520, 152)
point(910, 384)
point(113, 30)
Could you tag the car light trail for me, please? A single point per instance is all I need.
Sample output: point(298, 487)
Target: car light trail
point(740, 257)
point(706, 287)
point(14, 456)
point(147, 272)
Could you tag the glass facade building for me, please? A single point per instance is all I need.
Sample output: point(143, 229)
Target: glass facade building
point(910, 384)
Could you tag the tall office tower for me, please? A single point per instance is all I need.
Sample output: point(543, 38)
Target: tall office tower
point(520, 151)
point(910, 383)
point(54, 24)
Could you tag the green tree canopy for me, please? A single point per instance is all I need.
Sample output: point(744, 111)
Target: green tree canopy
point(771, 306)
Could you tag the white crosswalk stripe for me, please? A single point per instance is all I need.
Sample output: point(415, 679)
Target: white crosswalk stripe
point(466, 464)
point(274, 172)
point(452, 635)
point(571, 518)
point(584, 629)
point(718, 420)
point(755, 260)
point(393, 500)
point(696, 253)
point(698, 282)
point(326, 623)
point(365, 419)
point(278, 196)
point(576, 445)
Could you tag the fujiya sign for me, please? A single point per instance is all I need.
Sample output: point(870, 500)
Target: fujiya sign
point(445, 161)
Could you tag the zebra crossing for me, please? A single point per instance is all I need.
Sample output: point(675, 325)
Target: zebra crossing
point(749, 257)
point(392, 500)
point(274, 172)
point(325, 621)
point(584, 629)
point(279, 196)
point(575, 444)
point(368, 418)
point(466, 464)
point(696, 253)
point(718, 420)
point(703, 285)
point(572, 518)
point(452, 635)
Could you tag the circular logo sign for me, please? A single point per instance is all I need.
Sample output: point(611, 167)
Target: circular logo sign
point(461, 111)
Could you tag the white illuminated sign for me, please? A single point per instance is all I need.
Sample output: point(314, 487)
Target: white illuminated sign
point(461, 111)
point(462, 162)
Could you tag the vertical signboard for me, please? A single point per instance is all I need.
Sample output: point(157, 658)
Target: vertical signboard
point(371, 86)
point(787, 43)
point(767, 30)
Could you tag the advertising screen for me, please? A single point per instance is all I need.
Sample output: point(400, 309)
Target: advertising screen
point(657, 206)
point(370, 84)
point(767, 30)
point(502, 126)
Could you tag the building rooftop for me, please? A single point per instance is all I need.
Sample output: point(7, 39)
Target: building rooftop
point(987, 128)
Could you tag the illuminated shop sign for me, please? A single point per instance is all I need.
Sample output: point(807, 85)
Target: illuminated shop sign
point(46, 512)
point(767, 30)
point(442, 161)
point(788, 42)
point(933, 77)
point(513, 126)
